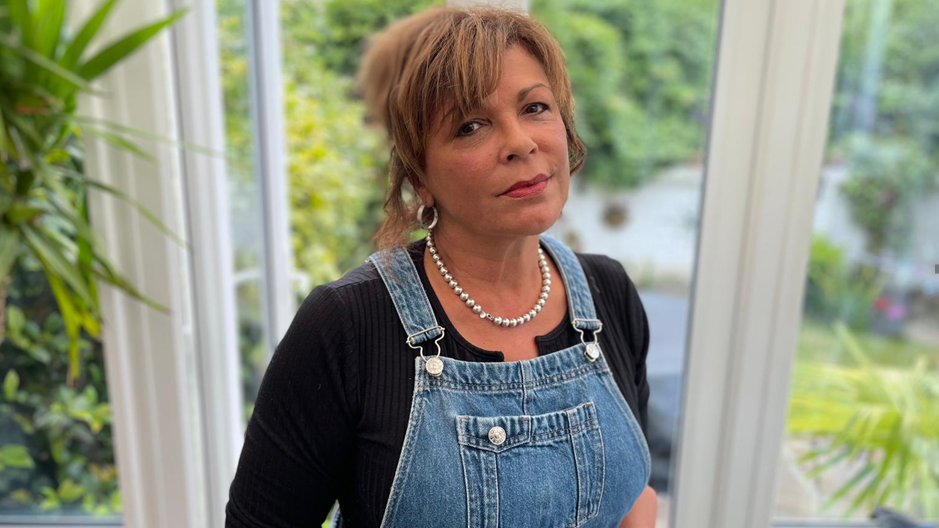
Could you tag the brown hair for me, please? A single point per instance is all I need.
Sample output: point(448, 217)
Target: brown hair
point(447, 56)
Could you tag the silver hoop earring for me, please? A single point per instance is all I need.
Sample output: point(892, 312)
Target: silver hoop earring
point(420, 217)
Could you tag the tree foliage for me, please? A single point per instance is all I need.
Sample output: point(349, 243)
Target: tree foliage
point(641, 73)
point(885, 115)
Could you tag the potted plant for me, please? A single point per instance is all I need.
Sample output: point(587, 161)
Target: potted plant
point(43, 209)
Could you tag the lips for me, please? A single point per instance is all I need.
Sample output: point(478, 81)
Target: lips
point(527, 183)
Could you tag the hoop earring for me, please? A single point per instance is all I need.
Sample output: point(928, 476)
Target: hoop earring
point(420, 217)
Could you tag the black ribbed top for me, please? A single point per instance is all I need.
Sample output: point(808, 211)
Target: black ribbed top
point(333, 406)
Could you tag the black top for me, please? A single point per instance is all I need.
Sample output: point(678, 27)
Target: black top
point(333, 406)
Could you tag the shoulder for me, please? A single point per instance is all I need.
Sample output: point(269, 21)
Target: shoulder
point(607, 275)
point(609, 279)
point(351, 303)
point(337, 296)
point(601, 265)
point(363, 276)
point(366, 277)
point(364, 285)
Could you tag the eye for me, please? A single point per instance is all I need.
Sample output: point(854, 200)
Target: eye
point(546, 107)
point(462, 131)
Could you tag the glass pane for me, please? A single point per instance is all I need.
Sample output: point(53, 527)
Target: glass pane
point(245, 196)
point(863, 423)
point(56, 448)
point(336, 161)
point(641, 74)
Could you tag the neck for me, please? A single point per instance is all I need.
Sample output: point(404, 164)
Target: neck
point(501, 269)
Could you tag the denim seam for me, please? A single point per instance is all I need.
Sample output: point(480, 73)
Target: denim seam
point(578, 471)
point(466, 486)
point(610, 385)
point(583, 425)
point(533, 438)
point(496, 491)
point(521, 374)
point(404, 462)
point(601, 463)
point(575, 281)
point(512, 385)
point(424, 310)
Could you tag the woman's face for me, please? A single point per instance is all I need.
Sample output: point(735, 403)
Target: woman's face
point(517, 136)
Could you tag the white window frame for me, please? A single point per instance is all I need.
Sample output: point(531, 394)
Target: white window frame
point(262, 28)
point(771, 98)
point(173, 380)
point(771, 101)
point(200, 114)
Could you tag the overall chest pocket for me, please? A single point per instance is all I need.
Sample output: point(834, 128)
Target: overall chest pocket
point(539, 471)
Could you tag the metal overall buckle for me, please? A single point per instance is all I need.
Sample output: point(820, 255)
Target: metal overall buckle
point(433, 365)
point(592, 349)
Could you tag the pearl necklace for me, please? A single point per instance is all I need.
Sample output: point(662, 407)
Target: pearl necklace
point(477, 309)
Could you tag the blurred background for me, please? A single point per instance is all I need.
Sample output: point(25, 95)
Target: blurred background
point(297, 196)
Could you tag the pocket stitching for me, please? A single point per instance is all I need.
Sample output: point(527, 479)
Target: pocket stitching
point(470, 440)
point(599, 450)
point(528, 433)
point(589, 426)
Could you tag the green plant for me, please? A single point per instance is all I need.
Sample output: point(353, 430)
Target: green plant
point(56, 448)
point(641, 73)
point(43, 210)
point(337, 163)
point(334, 32)
point(836, 291)
point(887, 76)
point(882, 421)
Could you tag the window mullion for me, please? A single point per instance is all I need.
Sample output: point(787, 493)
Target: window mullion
point(773, 86)
point(267, 109)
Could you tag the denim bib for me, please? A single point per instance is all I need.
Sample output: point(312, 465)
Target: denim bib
point(547, 442)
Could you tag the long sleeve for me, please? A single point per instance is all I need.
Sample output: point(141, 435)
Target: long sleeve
point(300, 440)
point(642, 353)
point(637, 336)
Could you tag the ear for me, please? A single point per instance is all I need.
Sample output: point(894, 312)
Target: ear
point(426, 198)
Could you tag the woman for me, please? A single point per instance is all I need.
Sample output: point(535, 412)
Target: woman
point(485, 375)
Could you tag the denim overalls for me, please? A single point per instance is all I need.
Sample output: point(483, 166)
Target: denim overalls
point(547, 442)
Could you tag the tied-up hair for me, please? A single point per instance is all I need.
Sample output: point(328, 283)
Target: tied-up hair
point(435, 67)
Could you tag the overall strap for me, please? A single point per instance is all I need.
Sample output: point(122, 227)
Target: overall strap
point(579, 298)
point(410, 300)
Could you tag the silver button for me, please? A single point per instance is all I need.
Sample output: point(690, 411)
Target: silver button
point(592, 352)
point(434, 366)
point(497, 435)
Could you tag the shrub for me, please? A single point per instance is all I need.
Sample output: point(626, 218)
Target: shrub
point(886, 176)
point(836, 292)
point(56, 449)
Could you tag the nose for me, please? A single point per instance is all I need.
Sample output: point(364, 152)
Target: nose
point(518, 142)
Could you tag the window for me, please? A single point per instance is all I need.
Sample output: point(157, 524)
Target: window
point(641, 73)
point(861, 429)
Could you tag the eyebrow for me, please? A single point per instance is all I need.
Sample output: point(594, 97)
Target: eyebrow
point(524, 91)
